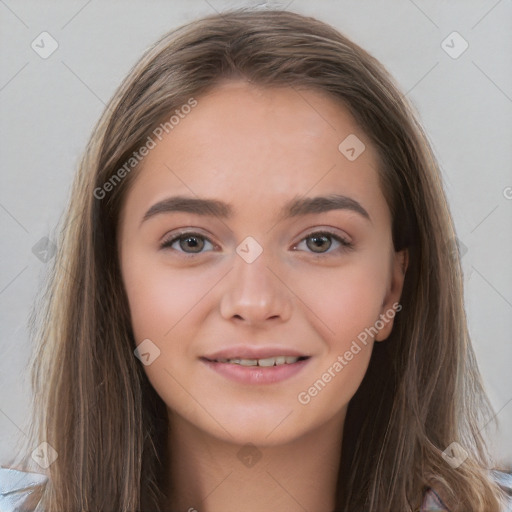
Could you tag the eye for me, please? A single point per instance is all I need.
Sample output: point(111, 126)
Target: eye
point(188, 242)
point(320, 242)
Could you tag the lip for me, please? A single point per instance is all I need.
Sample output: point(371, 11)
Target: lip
point(252, 352)
point(256, 374)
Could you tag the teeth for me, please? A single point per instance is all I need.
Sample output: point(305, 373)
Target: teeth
point(267, 362)
point(247, 362)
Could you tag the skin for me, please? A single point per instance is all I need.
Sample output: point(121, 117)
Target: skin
point(257, 148)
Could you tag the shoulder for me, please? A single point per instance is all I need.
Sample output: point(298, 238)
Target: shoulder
point(432, 502)
point(19, 489)
point(504, 480)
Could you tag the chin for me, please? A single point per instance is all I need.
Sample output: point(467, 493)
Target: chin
point(263, 427)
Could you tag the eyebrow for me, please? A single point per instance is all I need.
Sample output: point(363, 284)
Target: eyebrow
point(294, 208)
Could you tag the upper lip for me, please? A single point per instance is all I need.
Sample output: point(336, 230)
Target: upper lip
point(252, 352)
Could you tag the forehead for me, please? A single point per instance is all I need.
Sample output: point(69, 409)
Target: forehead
point(247, 142)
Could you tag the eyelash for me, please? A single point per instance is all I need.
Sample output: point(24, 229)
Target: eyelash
point(344, 243)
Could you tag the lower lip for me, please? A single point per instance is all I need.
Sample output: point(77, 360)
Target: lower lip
point(256, 374)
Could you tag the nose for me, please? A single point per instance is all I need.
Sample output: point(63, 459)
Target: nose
point(255, 293)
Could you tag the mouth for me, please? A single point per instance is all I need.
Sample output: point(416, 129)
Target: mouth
point(256, 366)
point(265, 362)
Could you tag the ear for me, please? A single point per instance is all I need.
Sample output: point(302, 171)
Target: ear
point(391, 304)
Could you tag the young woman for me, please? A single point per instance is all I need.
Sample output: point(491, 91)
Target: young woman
point(257, 301)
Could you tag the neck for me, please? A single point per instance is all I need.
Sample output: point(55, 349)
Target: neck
point(211, 475)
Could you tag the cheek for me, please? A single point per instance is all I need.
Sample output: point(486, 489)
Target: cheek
point(162, 303)
point(160, 297)
point(344, 305)
point(345, 301)
point(348, 306)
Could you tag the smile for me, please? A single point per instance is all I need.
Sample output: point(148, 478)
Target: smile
point(269, 361)
point(270, 370)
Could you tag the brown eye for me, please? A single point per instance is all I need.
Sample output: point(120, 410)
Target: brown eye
point(319, 243)
point(190, 243)
point(194, 243)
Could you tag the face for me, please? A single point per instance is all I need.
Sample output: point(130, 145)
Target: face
point(261, 308)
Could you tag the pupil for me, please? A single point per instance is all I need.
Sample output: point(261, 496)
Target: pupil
point(318, 241)
point(192, 243)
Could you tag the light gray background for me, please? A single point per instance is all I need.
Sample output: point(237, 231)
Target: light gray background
point(48, 108)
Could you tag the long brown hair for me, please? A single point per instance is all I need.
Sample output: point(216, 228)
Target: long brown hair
point(92, 400)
